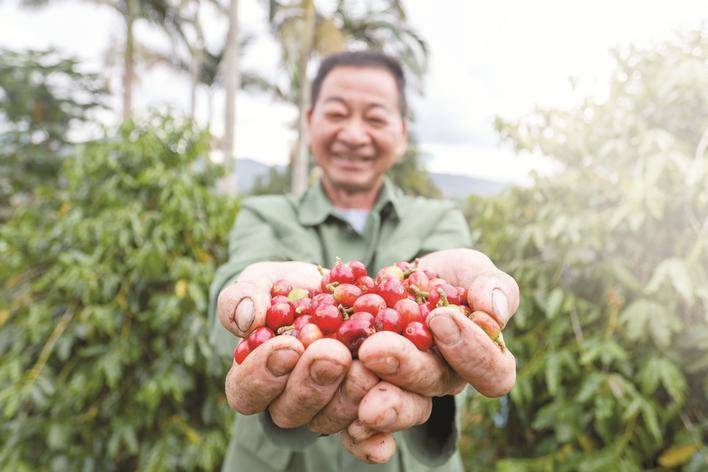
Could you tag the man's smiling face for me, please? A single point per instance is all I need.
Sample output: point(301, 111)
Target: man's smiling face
point(356, 131)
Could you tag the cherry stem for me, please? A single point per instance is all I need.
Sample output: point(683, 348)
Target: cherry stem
point(443, 298)
point(418, 293)
point(284, 329)
point(331, 286)
point(346, 312)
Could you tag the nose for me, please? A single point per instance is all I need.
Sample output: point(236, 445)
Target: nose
point(354, 133)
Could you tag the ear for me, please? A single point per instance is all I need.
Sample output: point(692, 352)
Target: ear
point(308, 118)
point(403, 143)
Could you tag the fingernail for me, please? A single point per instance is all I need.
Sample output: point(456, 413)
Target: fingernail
point(324, 372)
point(500, 305)
point(388, 418)
point(282, 361)
point(244, 314)
point(445, 329)
point(385, 366)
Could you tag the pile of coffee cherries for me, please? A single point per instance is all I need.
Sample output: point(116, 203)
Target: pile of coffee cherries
point(350, 306)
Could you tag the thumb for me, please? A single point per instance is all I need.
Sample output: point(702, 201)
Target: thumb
point(242, 305)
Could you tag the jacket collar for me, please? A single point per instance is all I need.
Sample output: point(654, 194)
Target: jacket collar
point(315, 207)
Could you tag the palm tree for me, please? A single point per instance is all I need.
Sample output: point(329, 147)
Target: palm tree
point(157, 12)
point(305, 33)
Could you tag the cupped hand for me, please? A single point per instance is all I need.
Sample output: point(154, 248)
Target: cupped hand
point(242, 305)
point(384, 410)
point(319, 386)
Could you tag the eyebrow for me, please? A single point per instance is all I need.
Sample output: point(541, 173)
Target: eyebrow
point(337, 99)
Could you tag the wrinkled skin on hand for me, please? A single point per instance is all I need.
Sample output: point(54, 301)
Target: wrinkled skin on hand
point(390, 387)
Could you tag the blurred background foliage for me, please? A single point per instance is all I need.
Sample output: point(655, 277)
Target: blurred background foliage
point(104, 359)
point(108, 247)
point(611, 255)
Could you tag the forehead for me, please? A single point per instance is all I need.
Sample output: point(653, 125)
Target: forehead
point(366, 85)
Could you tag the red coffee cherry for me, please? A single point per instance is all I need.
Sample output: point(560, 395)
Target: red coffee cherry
point(419, 280)
point(358, 269)
point(370, 303)
point(419, 334)
point(242, 351)
point(326, 280)
point(444, 294)
point(391, 290)
point(281, 287)
point(409, 310)
point(366, 284)
point(362, 315)
point(342, 273)
point(389, 319)
point(388, 271)
point(259, 336)
point(353, 332)
point(309, 334)
point(281, 314)
point(279, 299)
point(327, 318)
point(346, 294)
point(301, 321)
point(321, 299)
point(487, 323)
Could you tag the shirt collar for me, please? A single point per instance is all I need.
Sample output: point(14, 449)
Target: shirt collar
point(315, 207)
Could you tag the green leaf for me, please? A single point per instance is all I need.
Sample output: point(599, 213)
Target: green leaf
point(553, 372)
point(677, 272)
point(554, 303)
point(650, 418)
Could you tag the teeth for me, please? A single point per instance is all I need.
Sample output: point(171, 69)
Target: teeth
point(353, 158)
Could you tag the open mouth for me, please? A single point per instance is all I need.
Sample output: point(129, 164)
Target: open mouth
point(347, 159)
point(353, 163)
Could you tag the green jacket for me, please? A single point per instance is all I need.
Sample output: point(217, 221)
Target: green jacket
point(285, 228)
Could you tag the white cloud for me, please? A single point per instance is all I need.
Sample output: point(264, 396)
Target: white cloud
point(488, 58)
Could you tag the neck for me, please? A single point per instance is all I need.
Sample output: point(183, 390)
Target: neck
point(345, 198)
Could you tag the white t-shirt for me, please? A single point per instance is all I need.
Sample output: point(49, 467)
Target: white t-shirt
point(355, 217)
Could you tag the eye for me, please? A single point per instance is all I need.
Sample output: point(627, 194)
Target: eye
point(377, 120)
point(335, 115)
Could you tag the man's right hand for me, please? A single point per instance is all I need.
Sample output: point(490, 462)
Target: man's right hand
point(297, 386)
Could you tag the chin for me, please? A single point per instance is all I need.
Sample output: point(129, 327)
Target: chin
point(353, 185)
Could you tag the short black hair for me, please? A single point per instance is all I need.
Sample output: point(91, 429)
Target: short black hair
point(367, 58)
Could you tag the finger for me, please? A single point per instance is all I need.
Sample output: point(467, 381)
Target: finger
point(395, 359)
point(471, 353)
point(242, 305)
point(377, 449)
point(263, 375)
point(312, 383)
point(387, 408)
point(496, 293)
point(343, 408)
point(360, 431)
point(477, 273)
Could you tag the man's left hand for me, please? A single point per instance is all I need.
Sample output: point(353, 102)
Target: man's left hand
point(466, 354)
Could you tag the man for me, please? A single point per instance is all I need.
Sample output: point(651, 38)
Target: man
point(394, 407)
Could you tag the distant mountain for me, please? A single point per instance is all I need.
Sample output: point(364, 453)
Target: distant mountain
point(248, 170)
point(461, 186)
point(451, 185)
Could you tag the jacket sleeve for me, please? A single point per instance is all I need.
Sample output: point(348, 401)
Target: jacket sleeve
point(251, 240)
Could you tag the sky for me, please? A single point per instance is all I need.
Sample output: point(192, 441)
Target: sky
point(488, 59)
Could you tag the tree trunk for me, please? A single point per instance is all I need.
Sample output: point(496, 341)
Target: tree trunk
point(301, 162)
point(195, 65)
point(210, 108)
point(231, 81)
point(129, 59)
